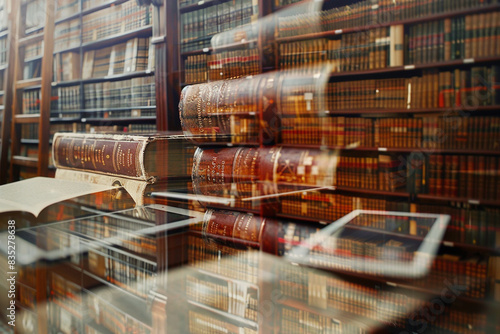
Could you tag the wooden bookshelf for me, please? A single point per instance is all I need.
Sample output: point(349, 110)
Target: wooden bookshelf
point(7, 37)
point(49, 85)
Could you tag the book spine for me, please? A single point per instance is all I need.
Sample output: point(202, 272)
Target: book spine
point(233, 228)
point(115, 157)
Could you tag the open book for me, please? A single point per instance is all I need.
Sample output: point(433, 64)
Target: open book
point(35, 194)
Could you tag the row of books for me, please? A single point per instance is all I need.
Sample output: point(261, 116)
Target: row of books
point(115, 20)
point(207, 323)
point(379, 48)
point(464, 176)
point(469, 271)
point(135, 92)
point(65, 291)
point(33, 50)
point(88, 4)
point(117, 229)
point(123, 270)
point(225, 295)
point(464, 37)
point(214, 19)
point(66, 66)
point(67, 35)
point(469, 224)
point(293, 320)
point(444, 40)
point(333, 206)
point(454, 132)
point(68, 98)
point(35, 14)
point(3, 50)
point(394, 308)
point(65, 308)
point(114, 320)
point(27, 297)
point(136, 55)
point(368, 13)
point(240, 265)
point(224, 65)
point(32, 69)
point(27, 275)
point(338, 294)
point(3, 15)
point(67, 127)
point(62, 319)
point(434, 132)
point(63, 99)
point(30, 131)
point(31, 101)
point(446, 89)
point(382, 173)
point(66, 8)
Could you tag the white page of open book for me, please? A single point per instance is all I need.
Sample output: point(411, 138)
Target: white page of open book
point(35, 194)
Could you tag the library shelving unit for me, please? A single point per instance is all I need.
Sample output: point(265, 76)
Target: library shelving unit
point(4, 91)
point(32, 76)
point(100, 78)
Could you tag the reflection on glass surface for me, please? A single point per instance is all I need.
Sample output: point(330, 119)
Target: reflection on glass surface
point(166, 269)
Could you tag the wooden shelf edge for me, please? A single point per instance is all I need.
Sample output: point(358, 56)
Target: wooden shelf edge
point(116, 77)
point(228, 46)
point(26, 118)
point(33, 59)
point(200, 5)
point(28, 83)
point(65, 119)
point(118, 37)
point(30, 39)
point(69, 49)
point(102, 6)
point(34, 30)
point(459, 199)
point(67, 18)
point(24, 161)
point(145, 119)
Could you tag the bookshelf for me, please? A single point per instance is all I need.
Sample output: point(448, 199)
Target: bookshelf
point(32, 72)
point(6, 75)
point(102, 77)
